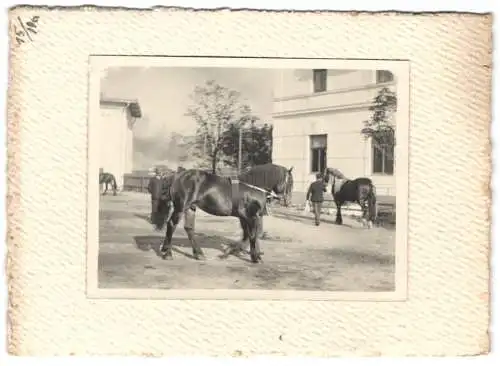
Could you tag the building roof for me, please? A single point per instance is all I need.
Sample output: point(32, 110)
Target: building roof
point(132, 105)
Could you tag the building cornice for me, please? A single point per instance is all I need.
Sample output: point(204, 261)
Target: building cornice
point(132, 105)
point(335, 91)
point(329, 109)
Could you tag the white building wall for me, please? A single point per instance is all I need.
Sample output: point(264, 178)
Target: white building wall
point(293, 82)
point(339, 113)
point(115, 142)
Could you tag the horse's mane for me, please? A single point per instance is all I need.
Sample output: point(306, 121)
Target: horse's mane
point(336, 173)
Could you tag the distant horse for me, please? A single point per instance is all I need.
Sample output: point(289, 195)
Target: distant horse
point(215, 195)
point(359, 190)
point(108, 179)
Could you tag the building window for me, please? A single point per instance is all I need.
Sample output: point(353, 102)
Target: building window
point(318, 153)
point(382, 159)
point(319, 79)
point(384, 76)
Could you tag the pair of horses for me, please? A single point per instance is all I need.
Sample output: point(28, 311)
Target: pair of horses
point(245, 198)
point(108, 179)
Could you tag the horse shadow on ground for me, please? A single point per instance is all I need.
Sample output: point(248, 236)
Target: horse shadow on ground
point(277, 238)
point(351, 256)
point(183, 246)
point(328, 220)
point(142, 216)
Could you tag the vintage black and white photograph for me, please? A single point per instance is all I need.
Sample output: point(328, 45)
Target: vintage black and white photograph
point(286, 178)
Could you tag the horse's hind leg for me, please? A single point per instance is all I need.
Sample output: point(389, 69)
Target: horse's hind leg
point(189, 220)
point(166, 247)
point(243, 245)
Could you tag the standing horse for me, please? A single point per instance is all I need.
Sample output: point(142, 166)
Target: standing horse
point(271, 177)
point(359, 190)
point(215, 195)
point(106, 179)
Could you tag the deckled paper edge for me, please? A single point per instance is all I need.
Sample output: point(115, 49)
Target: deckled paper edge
point(13, 204)
point(14, 115)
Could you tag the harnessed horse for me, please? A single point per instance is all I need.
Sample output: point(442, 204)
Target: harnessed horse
point(359, 190)
point(217, 196)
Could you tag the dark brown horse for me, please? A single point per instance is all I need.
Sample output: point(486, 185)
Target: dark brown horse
point(359, 190)
point(271, 177)
point(216, 195)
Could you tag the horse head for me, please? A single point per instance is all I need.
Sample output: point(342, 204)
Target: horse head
point(287, 187)
point(338, 178)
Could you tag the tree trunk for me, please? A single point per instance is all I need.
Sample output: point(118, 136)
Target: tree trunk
point(214, 163)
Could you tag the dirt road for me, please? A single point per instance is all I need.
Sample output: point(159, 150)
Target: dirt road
point(297, 254)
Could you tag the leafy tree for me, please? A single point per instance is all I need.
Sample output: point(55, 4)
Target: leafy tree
point(256, 144)
point(215, 108)
point(381, 127)
point(178, 148)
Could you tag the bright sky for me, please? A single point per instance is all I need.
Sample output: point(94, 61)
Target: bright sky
point(164, 93)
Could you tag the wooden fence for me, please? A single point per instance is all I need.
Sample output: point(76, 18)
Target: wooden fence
point(136, 182)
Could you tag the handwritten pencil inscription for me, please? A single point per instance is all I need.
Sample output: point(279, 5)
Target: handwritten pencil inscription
point(25, 30)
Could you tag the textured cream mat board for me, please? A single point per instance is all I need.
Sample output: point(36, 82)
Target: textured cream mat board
point(446, 311)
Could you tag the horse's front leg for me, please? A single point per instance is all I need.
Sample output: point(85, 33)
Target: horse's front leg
point(166, 247)
point(338, 219)
point(366, 218)
point(189, 220)
point(105, 189)
point(262, 234)
point(242, 246)
point(260, 223)
point(253, 230)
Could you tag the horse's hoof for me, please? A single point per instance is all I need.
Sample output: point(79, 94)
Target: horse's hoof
point(167, 256)
point(256, 258)
point(200, 257)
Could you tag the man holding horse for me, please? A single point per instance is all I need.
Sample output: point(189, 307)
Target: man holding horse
point(316, 197)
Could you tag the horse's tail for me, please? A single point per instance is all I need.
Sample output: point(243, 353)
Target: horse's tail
point(372, 203)
point(113, 179)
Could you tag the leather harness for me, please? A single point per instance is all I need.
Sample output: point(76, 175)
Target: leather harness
point(236, 198)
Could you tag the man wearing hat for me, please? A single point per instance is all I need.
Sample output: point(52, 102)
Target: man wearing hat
point(154, 188)
point(315, 196)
